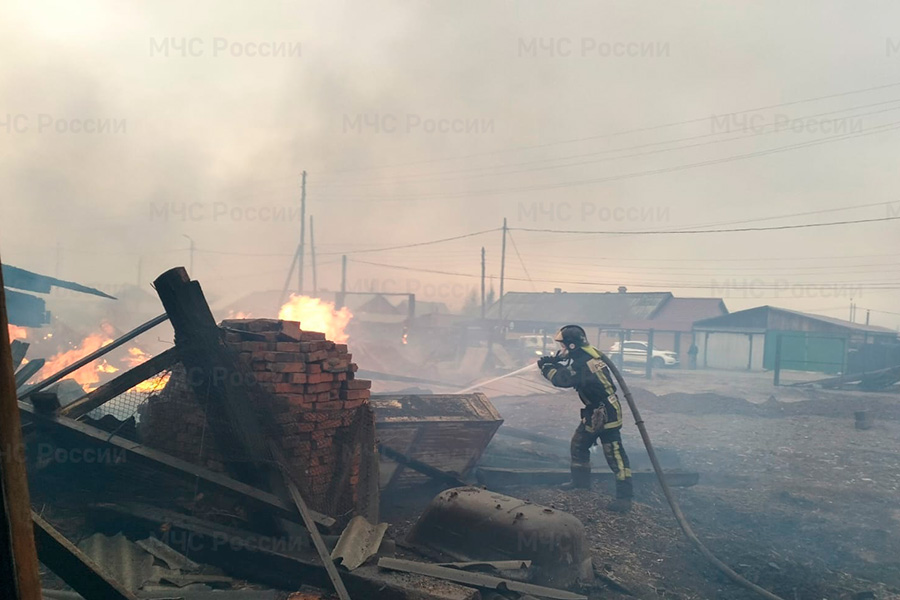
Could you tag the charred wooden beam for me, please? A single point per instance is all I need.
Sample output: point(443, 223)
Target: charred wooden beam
point(417, 465)
point(143, 456)
point(19, 574)
point(73, 566)
point(333, 575)
point(18, 349)
point(120, 384)
point(28, 371)
point(214, 374)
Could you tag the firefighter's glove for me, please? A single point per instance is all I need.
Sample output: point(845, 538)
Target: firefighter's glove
point(545, 360)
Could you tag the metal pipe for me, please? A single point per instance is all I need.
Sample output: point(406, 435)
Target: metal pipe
point(94, 355)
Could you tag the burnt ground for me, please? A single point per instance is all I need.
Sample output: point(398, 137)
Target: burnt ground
point(791, 495)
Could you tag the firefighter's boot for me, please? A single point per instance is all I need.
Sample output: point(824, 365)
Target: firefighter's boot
point(581, 479)
point(624, 493)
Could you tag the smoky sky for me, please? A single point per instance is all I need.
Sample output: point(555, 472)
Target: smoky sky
point(423, 120)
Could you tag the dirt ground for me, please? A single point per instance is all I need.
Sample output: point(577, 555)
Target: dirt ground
point(791, 495)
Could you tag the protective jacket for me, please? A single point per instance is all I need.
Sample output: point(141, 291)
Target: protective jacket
point(590, 377)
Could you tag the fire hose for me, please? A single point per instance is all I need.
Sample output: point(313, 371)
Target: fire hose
point(670, 498)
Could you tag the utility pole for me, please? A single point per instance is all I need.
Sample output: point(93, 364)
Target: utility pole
point(340, 303)
point(482, 282)
point(191, 251)
point(302, 233)
point(868, 312)
point(312, 251)
point(502, 267)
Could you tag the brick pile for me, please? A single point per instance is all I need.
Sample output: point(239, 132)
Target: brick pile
point(311, 405)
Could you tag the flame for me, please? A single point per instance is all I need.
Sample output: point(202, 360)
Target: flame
point(315, 315)
point(239, 315)
point(17, 333)
point(135, 357)
point(88, 375)
point(105, 367)
point(154, 384)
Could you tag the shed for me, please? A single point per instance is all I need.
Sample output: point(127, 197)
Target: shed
point(747, 339)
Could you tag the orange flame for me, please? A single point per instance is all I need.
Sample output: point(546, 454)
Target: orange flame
point(238, 315)
point(17, 333)
point(105, 367)
point(315, 315)
point(88, 375)
point(135, 357)
point(154, 384)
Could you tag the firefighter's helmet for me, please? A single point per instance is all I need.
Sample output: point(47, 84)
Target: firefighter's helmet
point(571, 337)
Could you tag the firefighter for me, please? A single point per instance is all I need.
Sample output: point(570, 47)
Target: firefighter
point(579, 365)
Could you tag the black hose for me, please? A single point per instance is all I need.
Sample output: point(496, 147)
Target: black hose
point(676, 509)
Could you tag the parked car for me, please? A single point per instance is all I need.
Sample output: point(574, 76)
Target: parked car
point(636, 353)
point(538, 345)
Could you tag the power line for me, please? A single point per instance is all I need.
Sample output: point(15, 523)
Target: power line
point(521, 262)
point(440, 176)
point(698, 231)
point(780, 286)
point(415, 245)
point(621, 132)
point(582, 182)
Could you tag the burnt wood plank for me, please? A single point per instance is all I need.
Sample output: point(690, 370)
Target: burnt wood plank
point(19, 574)
point(215, 376)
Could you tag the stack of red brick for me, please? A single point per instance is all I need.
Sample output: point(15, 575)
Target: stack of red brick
point(312, 390)
point(309, 409)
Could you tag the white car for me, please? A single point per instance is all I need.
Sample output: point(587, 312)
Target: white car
point(636, 353)
point(538, 344)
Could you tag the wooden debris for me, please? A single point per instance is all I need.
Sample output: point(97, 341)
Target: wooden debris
point(319, 544)
point(142, 455)
point(266, 560)
point(18, 350)
point(211, 367)
point(73, 566)
point(19, 579)
point(419, 466)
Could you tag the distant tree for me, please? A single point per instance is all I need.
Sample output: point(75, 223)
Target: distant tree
point(489, 300)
